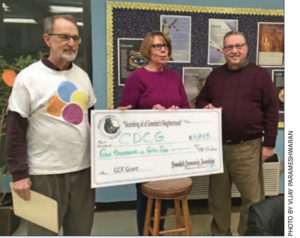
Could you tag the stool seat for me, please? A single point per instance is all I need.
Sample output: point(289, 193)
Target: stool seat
point(156, 191)
point(167, 189)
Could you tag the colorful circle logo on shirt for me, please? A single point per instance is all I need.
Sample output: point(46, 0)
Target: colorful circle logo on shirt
point(65, 91)
point(69, 103)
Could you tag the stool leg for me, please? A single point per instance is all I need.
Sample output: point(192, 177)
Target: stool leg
point(148, 216)
point(156, 217)
point(186, 213)
point(178, 215)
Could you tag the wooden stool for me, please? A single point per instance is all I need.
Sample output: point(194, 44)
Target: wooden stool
point(176, 189)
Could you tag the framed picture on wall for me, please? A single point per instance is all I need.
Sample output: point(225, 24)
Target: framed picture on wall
point(194, 80)
point(270, 44)
point(278, 80)
point(178, 28)
point(217, 28)
point(129, 58)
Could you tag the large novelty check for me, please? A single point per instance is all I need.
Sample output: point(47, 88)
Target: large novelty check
point(144, 145)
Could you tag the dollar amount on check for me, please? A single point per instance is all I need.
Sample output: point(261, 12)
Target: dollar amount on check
point(144, 145)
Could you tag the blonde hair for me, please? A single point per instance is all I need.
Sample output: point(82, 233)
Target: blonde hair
point(148, 42)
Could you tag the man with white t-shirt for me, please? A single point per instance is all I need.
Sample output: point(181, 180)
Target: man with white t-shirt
point(48, 131)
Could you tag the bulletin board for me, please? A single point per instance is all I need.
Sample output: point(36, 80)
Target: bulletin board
point(128, 20)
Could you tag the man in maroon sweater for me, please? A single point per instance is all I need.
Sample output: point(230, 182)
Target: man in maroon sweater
point(246, 94)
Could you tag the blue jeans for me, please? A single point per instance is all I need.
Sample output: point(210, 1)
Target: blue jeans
point(141, 210)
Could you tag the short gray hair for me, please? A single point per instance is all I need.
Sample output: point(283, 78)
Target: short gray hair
point(233, 33)
point(49, 22)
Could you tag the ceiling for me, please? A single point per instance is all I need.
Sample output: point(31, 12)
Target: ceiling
point(37, 9)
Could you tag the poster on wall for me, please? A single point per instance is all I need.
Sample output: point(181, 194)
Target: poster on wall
point(178, 28)
point(217, 28)
point(270, 44)
point(194, 80)
point(129, 58)
point(278, 80)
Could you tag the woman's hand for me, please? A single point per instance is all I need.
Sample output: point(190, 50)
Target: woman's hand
point(174, 108)
point(122, 108)
point(158, 107)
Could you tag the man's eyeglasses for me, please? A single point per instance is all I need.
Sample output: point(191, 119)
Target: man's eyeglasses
point(65, 37)
point(231, 47)
point(158, 46)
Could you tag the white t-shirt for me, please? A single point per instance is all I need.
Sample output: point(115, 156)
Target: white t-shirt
point(55, 104)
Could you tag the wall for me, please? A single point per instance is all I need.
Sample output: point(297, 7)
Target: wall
point(98, 15)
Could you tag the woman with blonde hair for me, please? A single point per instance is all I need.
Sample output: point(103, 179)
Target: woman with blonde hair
point(154, 87)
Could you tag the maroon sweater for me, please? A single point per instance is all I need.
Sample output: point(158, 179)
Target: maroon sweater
point(144, 89)
point(249, 102)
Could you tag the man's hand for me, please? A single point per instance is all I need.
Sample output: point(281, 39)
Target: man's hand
point(22, 188)
point(158, 107)
point(266, 153)
point(210, 106)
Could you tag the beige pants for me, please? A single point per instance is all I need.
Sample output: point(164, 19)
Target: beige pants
point(242, 165)
point(75, 199)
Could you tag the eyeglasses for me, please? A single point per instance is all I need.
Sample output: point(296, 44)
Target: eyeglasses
point(65, 37)
point(158, 46)
point(231, 47)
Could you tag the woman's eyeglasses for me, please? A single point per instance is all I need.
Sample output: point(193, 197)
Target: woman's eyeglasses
point(159, 46)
